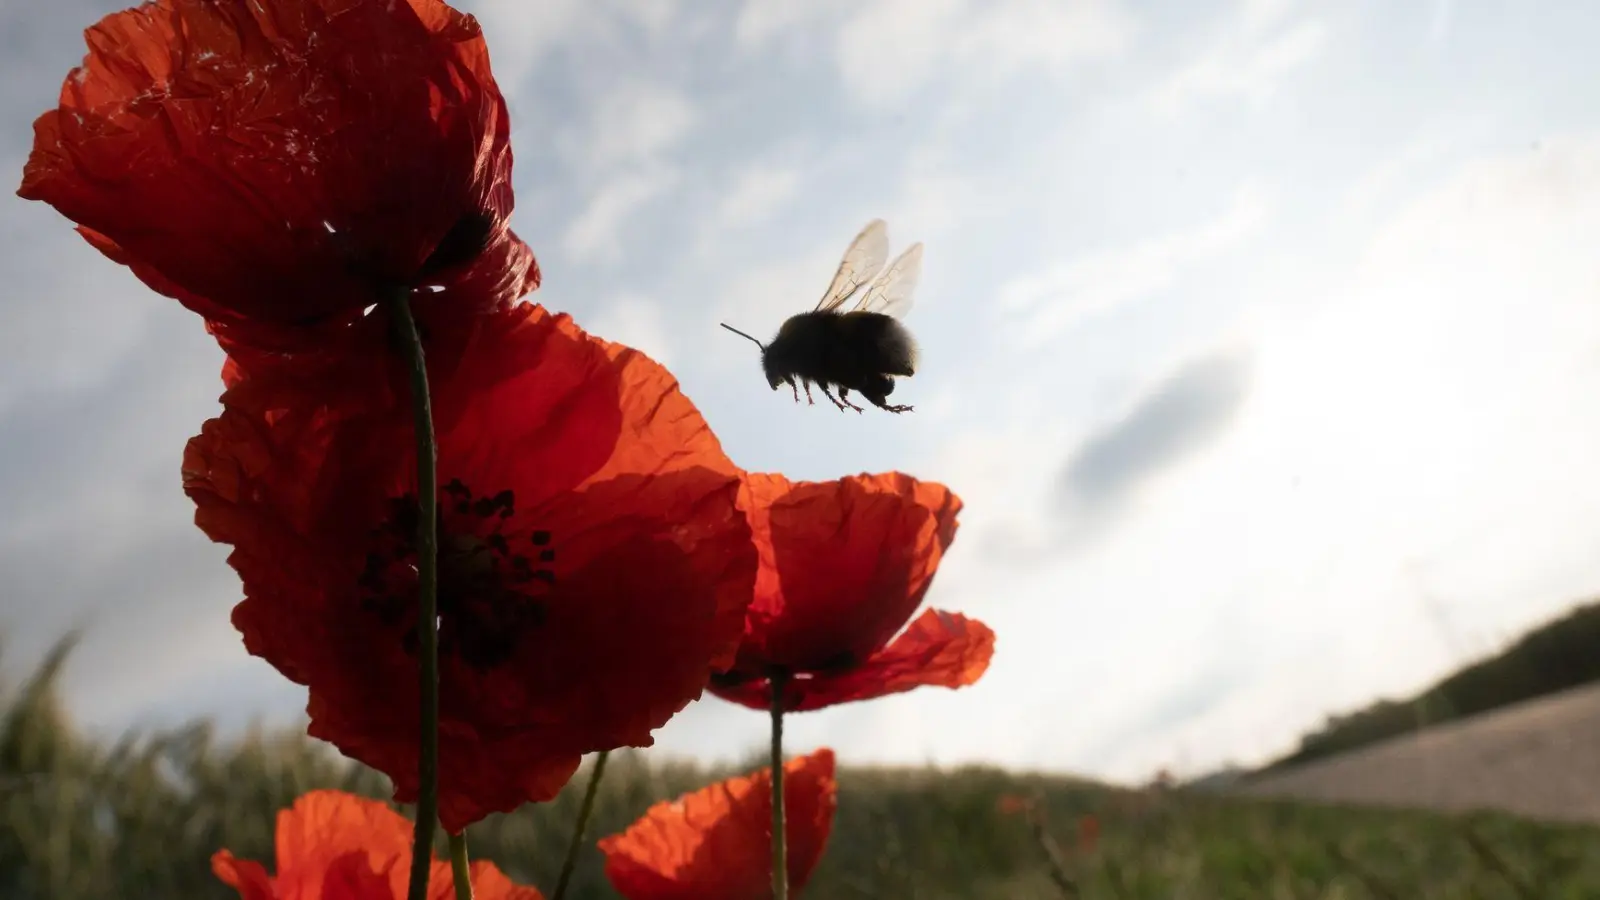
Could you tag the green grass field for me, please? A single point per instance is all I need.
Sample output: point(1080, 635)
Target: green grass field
point(140, 819)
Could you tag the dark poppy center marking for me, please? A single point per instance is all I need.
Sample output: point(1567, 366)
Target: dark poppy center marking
point(491, 589)
point(466, 240)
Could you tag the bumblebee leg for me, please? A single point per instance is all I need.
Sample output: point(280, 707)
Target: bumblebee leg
point(829, 395)
point(796, 388)
point(809, 401)
point(844, 397)
point(894, 408)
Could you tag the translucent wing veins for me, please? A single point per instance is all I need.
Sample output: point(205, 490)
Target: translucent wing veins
point(866, 255)
point(891, 293)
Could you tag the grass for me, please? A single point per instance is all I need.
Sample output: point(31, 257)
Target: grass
point(80, 820)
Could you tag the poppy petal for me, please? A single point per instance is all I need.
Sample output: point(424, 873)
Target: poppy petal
point(322, 825)
point(283, 165)
point(248, 877)
point(337, 846)
point(844, 565)
point(939, 649)
point(489, 883)
point(594, 570)
point(715, 844)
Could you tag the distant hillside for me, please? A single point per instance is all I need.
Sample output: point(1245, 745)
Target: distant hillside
point(1558, 655)
point(1539, 758)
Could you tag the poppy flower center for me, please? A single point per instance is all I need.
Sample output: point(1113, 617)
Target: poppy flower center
point(494, 576)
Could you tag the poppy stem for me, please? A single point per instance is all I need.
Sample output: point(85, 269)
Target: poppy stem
point(410, 345)
point(460, 867)
point(581, 826)
point(780, 844)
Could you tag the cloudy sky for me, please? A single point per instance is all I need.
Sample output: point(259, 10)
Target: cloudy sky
point(1260, 338)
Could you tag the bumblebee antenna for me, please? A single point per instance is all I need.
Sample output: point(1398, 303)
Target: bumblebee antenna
point(743, 335)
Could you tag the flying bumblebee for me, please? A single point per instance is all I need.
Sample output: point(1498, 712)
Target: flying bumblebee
point(861, 349)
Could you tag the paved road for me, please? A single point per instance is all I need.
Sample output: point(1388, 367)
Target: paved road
point(1540, 759)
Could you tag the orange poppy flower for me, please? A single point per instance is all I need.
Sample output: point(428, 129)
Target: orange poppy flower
point(716, 843)
point(594, 567)
point(279, 166)
point(844, 564)
point(337, 846)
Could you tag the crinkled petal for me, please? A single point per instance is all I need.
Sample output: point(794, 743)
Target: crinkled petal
point(715, 844)
point(278, 167)
point(578, 616)
point(324, 826)
point(844, 564)
point(489, 883)
point(337, 846)
point(939, 649)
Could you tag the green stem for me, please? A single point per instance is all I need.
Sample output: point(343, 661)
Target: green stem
point(460, 867)
point(1052, 852)
point(780, 842)
point(427, 594)
point(580, 827)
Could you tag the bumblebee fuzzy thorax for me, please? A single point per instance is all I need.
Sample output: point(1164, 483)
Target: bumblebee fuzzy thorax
point(797, 342)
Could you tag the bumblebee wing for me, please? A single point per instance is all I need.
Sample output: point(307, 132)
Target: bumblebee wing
point(865, 257)
point(891, 293)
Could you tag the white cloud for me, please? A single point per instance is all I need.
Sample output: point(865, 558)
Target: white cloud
point(756, 193)
point(521, 34)
point(623, 149)
point(635, 320)
point(1045, 33)
point(633, 122)
point(890, 48)
point(751, 198)
point(1440, 19)
point(40, 348)
point(1396, 178)
point(595, 234)
point(1256, 17)
point(1046, 304)
point(1249, 58)
point(1003, 474)
point(757, 299)
point(760, 21)
point(935, 199)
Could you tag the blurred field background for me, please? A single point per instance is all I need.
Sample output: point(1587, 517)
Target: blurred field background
point(82, 819)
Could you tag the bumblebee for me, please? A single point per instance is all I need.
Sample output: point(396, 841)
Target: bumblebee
point(862, 348)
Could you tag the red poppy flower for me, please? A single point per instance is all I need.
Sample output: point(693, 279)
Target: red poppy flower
point(594, 565)
point(337, 846)
point(716, 844)
point(1013, 804)
point(283, 165)
point(1088, 834)
point(844, 564)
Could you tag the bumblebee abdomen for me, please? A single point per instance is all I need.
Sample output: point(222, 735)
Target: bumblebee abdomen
point(883, 344)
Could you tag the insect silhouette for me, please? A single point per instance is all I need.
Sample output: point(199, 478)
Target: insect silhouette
point(861, 349)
